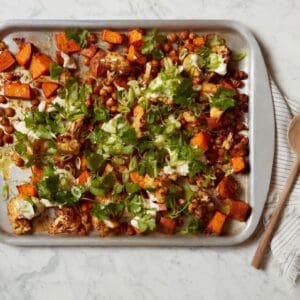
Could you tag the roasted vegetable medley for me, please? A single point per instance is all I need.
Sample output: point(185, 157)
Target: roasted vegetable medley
point(125, 132)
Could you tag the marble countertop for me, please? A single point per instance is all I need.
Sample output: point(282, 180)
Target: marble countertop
point(155, 273)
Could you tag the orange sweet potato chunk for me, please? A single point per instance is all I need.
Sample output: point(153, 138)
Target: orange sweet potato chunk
point(24, 54)
point(49, 88)
point(27, 189)
point(201, 140)
point(112, 37)
point(238, 164)
point(216, 223)
point(40, 65)
point(37, 174)
point(17, 90)
point(227, 187)
point(134, 36)
point(83, 177)
point(167, 225)
point(6, 60)
point(65, 45)
point(239, 210)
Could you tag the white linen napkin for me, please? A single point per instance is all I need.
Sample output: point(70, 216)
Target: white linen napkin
point(285, 245)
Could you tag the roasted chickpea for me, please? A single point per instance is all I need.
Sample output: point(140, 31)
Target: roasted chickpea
point(192, 35)
point(114, 95)
point(184, 35)
point(125, 50)
point(1, 142)
point(167, 47)
point(109, 89)
point(103, 92)
point(9, 112)
point(172, 37)
point(97, 88)
point(19, 162)
point(109, 102)
point(114, 108)
point(35, 102)
point(154, 63)
point(3, 100)
point(8, 139)
point(86, 61)
point(9, 129)
point(1, 133)
point(4, 122)
point(2, 46)
point(2, 112)
point(36, 84)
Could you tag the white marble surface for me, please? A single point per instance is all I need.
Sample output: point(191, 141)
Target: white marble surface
point(111, 273)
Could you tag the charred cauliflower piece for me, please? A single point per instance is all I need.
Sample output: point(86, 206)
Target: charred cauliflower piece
point(223, 51)
point(68, 146)
point(21, 226)
point(21, 211)
point(100, 226)
point(67, 221)
point(115, 62)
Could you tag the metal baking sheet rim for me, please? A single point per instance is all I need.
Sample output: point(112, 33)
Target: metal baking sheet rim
point(261, 126)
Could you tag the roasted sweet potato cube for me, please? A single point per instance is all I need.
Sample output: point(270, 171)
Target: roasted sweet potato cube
point(239, 210)
point(40, 65)
point(131, 54)
point(227, 187)
point(90, 51)
point(6, 60)
point(37, 174)
point(213, 123)
point(17, 90)
point(112, 37)
point(27, 189)
point(201, 140)
point(24, 54)
point(66, 45)
point(83, 177)
point(134, 36)
point(167, 225)
point(238, 164)
point(216, 223)
point(97, 68)
point(49, 88)
point(199, 41)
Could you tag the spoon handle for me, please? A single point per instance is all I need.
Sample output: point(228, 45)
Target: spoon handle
point(275, 218)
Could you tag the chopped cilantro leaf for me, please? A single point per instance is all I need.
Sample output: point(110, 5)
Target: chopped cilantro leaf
point(78, 35)
point(55, 70)
point(100, 186)
point(111, 210)
point(223, 99)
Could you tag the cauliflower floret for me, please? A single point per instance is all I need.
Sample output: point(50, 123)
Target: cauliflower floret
point(115, 62)
point(21, 226)
point(138, 113)
point(21, 211)
point(67, 220)
point(223, 51)
point(100, 226)
point(69, 146)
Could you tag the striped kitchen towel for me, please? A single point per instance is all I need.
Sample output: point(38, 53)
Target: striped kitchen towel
point(285, 245)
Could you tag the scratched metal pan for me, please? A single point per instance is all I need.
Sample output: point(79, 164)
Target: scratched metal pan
point(260, 121)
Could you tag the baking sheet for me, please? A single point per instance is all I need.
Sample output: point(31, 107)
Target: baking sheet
point(260, 122)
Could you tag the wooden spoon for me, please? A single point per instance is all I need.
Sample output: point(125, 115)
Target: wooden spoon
point(294, 141)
